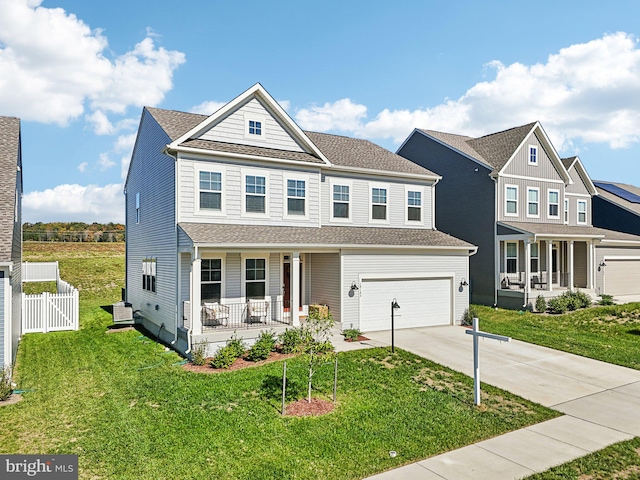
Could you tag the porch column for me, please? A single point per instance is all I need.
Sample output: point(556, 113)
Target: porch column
point(195, 297)
point(549, 265)
point(591, 265)
point(570, 265)
point(527, 270)
point(295, 288)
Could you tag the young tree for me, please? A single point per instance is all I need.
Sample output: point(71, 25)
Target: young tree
point(315, 345)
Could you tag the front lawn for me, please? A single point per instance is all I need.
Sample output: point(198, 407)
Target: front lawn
point(610, 334)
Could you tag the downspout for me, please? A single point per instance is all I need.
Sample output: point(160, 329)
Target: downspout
point(175, 230)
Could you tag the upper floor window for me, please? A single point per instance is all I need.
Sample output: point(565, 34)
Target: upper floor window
point(149, 274)
point(582, 211)
point(533, 202)
point(296, 193)
point(566, 210)
point(533, 155)
point(554, 204)
point(255, 278)
point(414, 206)
point(137, 207)
point(211, 190)
point(255, 127)
point(211, 280)
point(378, 203)
point(511, 200)
point(255, 188)
point(340, 201)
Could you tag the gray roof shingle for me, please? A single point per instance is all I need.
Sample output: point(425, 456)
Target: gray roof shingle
point(9, 157)
point(571, 231)
point(326, 236)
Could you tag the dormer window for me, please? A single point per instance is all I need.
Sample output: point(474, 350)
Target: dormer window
point(533, 155)
point(255, 127)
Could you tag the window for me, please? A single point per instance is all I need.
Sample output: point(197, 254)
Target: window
point(414, 206)
point(211, 280)
point(255, 127)
point(582, 211)
point(255, 188)
point(149, 274)
point(255, 278)
point(512, 257)
point(533, 202)
point(512, 200)
point(554, 204)
point(137, 207)
point(340, 201)
point(535, 256)
point(210, 190)
point(566, 210)
point(378, 203)
point(533, 155)
point(295, 197)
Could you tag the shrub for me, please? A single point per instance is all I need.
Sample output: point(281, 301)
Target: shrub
point(351, 334)
point(236, 345)
point(468, 315)
point(541, 304)
point(558, 305)
point(569, 301)
point(265, 344)
point(582, 299)
point(290, 340)
point(5, 383)
point(224, 357)
point(606, 299)
point(199, 353)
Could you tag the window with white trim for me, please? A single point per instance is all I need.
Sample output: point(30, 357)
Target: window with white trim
point(211, 280)
point(378, 203)
point(582, 211)
point(254, 126)
point(296, 195)
point(566, 210)
point(554, 204)
point(255, 278)
point(533, 202)
point(340, 201)
point(149, 274)
point(511, 256)
point(414, 206)
point(255, 187)
point(138, 207)
point(511, 197)
point(210, 185)
point(533, 155)
point(535, 258)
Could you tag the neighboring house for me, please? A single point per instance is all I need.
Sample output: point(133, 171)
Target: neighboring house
point(10, 239)
point(617, 207)
point(528, 211)
point(242, 219)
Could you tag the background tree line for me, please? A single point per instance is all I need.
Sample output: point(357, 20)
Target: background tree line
point(73, 232)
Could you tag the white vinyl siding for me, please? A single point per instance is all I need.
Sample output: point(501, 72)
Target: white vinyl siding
point(324, 271)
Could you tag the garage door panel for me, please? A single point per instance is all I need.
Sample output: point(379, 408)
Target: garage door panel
point(423, 302)
point(622, 277)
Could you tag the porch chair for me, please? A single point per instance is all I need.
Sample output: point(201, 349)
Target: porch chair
point(257, 311)
point(215, 314)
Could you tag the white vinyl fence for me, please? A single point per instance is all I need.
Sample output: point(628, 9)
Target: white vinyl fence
point(49, 312)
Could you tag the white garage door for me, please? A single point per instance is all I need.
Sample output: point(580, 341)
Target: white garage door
point(622, 277)
point(423, 302)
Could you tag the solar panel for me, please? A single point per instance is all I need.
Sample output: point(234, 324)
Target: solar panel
point(618, 192)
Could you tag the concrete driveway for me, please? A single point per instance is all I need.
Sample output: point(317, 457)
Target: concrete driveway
point(601, 402)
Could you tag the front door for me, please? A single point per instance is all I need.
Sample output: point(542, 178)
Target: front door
point(286, 294)
point(554, 265)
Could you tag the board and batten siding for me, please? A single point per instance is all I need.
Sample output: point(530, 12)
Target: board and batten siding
point(152, 175)
point(232, 182)
point(580, 264)
point(324, 269)
point(519, 164)
point(400, 265)
point(232, 129)
point(578, 185)
point(360, 199)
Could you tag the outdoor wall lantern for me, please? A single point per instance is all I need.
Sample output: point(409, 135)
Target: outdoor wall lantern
point(463, 283)
point(354, 287)
point(394, 305)
point(602, 264)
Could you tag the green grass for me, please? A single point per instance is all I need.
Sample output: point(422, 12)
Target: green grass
point(610, 334)
point(119, 401)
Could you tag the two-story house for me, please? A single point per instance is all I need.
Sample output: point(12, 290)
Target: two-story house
point(528, 211)
point(10, 239)
point(617, 207)
point(240, 219)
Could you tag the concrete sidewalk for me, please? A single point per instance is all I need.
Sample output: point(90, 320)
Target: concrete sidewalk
point(600, 401)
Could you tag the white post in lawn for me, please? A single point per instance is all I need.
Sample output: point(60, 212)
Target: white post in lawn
point(476, 356)
point(295, 289)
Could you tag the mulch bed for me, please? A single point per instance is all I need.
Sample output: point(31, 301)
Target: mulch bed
point(239, 364)
point(14, 398)
point(302, 408)
point(359, 339)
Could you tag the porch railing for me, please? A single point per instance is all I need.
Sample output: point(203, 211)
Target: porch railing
point(233, 316)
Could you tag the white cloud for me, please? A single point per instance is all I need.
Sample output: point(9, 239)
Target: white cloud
point(101, 124)
point(82, 167)
point(68, 203)
point(588, 92)
point(207, 108)
point(52, 65)
point(104, 162)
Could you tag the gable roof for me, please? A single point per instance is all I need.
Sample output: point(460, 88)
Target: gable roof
point(613, 198)
point(575, 163)
point(496, 150)
point(9, 163)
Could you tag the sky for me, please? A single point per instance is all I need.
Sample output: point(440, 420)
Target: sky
point(78, 74)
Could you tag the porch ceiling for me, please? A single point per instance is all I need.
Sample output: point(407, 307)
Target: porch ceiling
point(252, 236)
